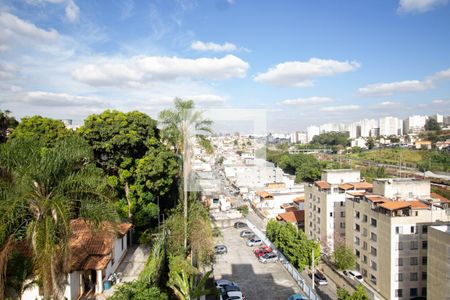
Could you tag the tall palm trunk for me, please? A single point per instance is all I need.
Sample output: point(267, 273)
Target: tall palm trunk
point(4, 254)
point(127, 196)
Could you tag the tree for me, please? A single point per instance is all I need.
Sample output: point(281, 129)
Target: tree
point(42, 190)
point(432, 125)
point(119, 140)
point(179, 126)
point(344, 258)
point(331, 139)
point(46, 130)
point(7, 122)
point(359, 294)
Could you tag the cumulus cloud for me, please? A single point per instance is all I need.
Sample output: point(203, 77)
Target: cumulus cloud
point(302, 73)
point(315, 100)
point(209, 46)
point(441, 102)
point(419, 6)
point(61, 99)
point(340, 108)
point(72, 11)
point(145, 69)
point(208, 99)
point(385, 89)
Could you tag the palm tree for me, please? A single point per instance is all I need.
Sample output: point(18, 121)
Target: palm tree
point(42, 190)
point(187, 286)
point(179, 126)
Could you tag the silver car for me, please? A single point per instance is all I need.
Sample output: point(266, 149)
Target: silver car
point(255, 241)
point(247, 233)
point(268, 258)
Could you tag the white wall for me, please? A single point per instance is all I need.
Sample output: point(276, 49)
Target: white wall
point(341, 176)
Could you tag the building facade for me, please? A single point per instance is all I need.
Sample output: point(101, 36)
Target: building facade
point(438, 278)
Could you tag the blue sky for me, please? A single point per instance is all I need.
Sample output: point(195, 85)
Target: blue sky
point(306, 62)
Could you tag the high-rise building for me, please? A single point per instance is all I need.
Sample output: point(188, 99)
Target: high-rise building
point(367, 125)
point(438, 269)
point(439, 118)
point(311, 132)
point(324, 205)
point(298, 137)
point(414, 124)
point(387, 231)
point(390, 126)
point(354, 130)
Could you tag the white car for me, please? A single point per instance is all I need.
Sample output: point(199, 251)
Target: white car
point(355, 275)
point(268, 257)
point(220, 283)
point(254, 242)
point(229, 292)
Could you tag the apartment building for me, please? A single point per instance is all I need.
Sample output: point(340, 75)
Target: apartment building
point(390, 126)
point(438, 270)
point(387, 231)
point(324, 205)
point(414, 124)
point(311, 132)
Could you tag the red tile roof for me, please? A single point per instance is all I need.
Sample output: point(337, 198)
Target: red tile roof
point(362, 185)
point(299, 199)
point(265, 195)
point(297, 216)
point(436, 196)
point(418, 205)
point(346, 186)
point(377, 198)
point(395, 205)
point(322, 184)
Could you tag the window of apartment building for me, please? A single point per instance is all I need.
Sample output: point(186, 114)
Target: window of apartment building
point(413, 292)
point(413, 229)
point(399, 246)
point(424, 275)
point(399, 277)
point(364, 245)
point(364, 272)
point(310, 195)
point(357, 228)
point(342, 225)
point(413, 261)
point(314, 198)
point(413, 276)
point(357, 240)
point(364, 259)
point(373, 222)
point(414, 245)
point(424, 292)
point(314, 208)
point(318, 210)
point(318, 199)
point(364, 232)
point(373, 279)
point(331, 214)
point(318, 220)
point(399, 293)
point(398, 230)
point(357, 253)
point(424, 244)
point(310, 223)
point(400, 261)
point(342, 203)
point(310, 205)
point(373, 237)
point(357, 214)
point(365, 218)
point(424, 260)
point(424, 228)
point(373, 265)
point(342, 214)
point(373, 251)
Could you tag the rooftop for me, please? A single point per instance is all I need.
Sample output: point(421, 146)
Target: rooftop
point(296, 216)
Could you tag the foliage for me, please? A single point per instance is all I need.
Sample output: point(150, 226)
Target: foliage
point(344, 258)
point(293, 244)
point(46, 130)
point(331, 139)
point(7, 122)
point(441, 191)
point(359, 294)
point(243, 209)
point(19, 269)
point(138, 290)
point(371, 173)
point(43, 189)
point(184, 279)
point(432, 124)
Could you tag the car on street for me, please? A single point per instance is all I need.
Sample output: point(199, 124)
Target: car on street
point(220, 249)
point(268, 258)
point(297, 297)
point(319, 278)
point(231, 292)
point(220, 283)
point(262, 250)
point(240, 225)
point(246, 233)
point(255, 241)
point(355, 275)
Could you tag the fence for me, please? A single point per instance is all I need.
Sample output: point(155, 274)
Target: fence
point(309, 292)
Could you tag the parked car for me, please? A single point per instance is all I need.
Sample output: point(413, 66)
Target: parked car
point(262, 250)
point(231, 292)
point(268, 258)
point(255, 241)
point(297, 297)
point(355, 275)
point(220, 249)
point(247, 233)
point(319, 278)
point(240, 225)
point(223, 282)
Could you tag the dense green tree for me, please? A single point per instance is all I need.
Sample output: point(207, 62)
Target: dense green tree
point(344, 258)
point(46, 130)
point(332, 139)
point(138, 290)
point(7, 122)
point(432, 124)
point(359, 294)
point(42, 189)
point(305, 167)
point(179, 126)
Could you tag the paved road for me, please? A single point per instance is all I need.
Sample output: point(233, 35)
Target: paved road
point(257, 280)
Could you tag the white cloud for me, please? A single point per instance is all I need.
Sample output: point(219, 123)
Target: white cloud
point(315, 100)
point(419, 6)
point(209, 46)
point(385, 89)
point(145, 69)
point(441, 102)
point(340, 108)
point(301, 73)
point(61, 99)
point(72, 11)
point(207, 99)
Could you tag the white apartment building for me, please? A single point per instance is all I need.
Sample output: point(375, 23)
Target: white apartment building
point(367, 125)
point(438, 270)
point(391, 126)
point(270, 202)
point(324, 205)
point(439, 118)
point(354, 130)
point(387, 231)
point(298, 137)
point(311, 132)
point(414, 124)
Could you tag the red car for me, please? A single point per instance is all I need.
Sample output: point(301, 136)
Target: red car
point(262, 250)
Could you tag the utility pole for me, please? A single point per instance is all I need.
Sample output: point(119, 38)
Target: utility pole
point(312, 268)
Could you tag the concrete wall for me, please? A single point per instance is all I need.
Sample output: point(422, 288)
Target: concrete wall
point(341, 176)
point(404, 188)
point(438, 280)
